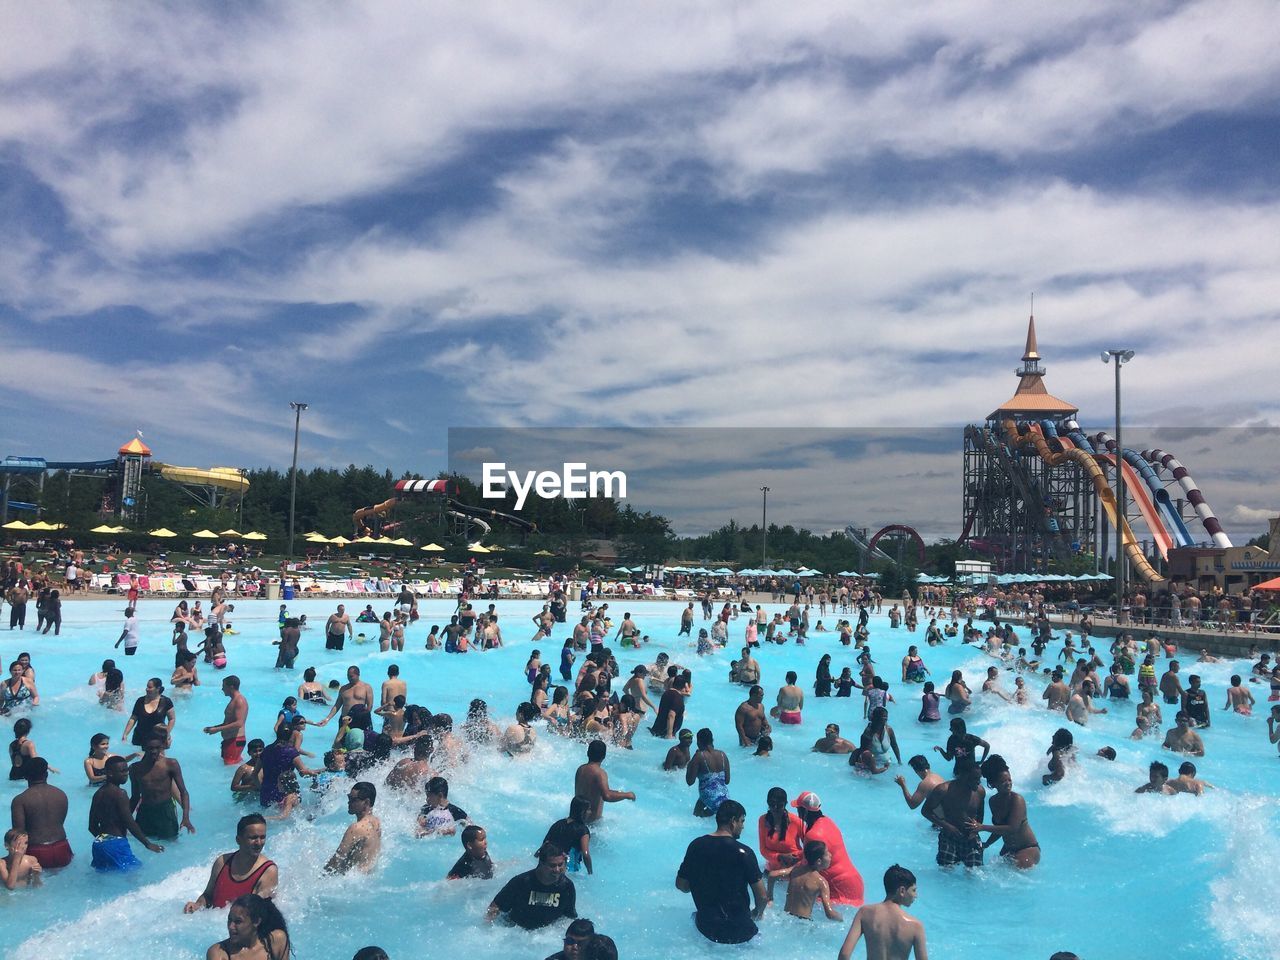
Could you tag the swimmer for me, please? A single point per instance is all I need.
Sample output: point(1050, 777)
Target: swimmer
point(1239, 698)
point(992, 685)
point(677, 757)
point(245, 870)
point(1157, 780)
point(1008, 817)
point(889, 930)
point(110, 822)
point(1186, 781)
point(764, 746)
point(1061, 752)
point(233, 720)
point(750, 720)
point(807, 885)
point(18, 867)
point(1057, 694)
point(362, 841)
point(928, 780)
point(790, 701)
point(1183, 739)
point(832, 742)
point(710, 768)
point(475, 861)
point(154, 781)
point(1080, 706)
point(247, 780)
point(1273, 731)
point(592, 783)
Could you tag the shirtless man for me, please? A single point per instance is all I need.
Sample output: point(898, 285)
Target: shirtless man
point(992, 685)
point(1171, 684)
point(591, 783)
point(951, 807)
point(290, 634)
point(393, 686)
point(1186, 781)
point(362, 842)
point(677, 757)
point(1157, 779)
point(232, 725)
point(110, 821)
point(1008, 817)
point(152, 783)
point(635, 686)
point(749, 718)
point(40, 811)
point(831, 741)
point(1239, 698)
point(928, 780)
point(1081, 705)
point(1057, 694)
point(627, 630)
point(790, 701)
point(748, 668)
point(891, 933)
point(337, 628)
point(354, 691)
point(806, 885)
point(1182, 739)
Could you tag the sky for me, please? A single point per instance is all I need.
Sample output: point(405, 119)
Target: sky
point(565, 215)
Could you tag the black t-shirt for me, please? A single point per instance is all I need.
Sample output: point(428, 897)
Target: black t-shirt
point(719, 870)
point(567, 834)
point(531, 904)
point(962, 747)
point(1197, 705)
point(671, 702)
point(469, 866)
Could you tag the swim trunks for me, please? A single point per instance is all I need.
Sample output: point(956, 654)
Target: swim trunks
point(114, 853)
point(51, 855)
point(954, 849)
point(233, 751)
point(158, 819)
point(335, 641)
point(789, 716)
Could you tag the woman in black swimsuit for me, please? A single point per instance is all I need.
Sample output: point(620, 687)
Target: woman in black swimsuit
point(152, 713)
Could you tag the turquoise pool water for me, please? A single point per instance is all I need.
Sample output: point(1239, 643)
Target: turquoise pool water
point(1123, 876)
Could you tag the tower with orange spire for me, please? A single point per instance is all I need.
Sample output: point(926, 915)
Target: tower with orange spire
point(132, 456)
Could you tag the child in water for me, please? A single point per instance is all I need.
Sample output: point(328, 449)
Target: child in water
point(807, 885)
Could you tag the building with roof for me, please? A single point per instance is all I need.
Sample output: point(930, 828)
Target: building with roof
point(1021, 513)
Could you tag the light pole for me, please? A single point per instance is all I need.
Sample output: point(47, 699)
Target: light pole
point(297, 409)
point(764, 527)
point(1120, 357)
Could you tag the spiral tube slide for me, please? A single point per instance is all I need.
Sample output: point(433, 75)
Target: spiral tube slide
point(1106, 497)
point(1194, 496)
point(1133, 461)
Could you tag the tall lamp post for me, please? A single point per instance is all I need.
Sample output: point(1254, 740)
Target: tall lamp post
point(764, 527)
point(297, 409)
point(1119, 357)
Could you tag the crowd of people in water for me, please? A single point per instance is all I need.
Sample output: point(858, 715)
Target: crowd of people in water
point(581, 692)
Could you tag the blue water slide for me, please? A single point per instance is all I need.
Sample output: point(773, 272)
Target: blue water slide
point(1160, 495)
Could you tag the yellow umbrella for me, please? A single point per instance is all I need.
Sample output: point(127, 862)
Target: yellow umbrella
point(314, 533)
point(433, 548)
point(479, 548)
point(163, 532)
point(230, 533)
point(340, 541)
point(103, 528)
point(16, 525)
point(401, 542)
point(544, 553)
point(364, 539)
point(43, 525)
point(255, 535)
point(205, 534)
point(317, 538)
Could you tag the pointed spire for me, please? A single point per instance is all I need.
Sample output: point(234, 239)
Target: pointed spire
point(1031, 353)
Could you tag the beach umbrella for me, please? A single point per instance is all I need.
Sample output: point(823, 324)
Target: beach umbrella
point(205, 534)
point(621, 569)
point(401, 542)
point(364, 539)
point(255, 535)
point(230, 533)
point(340, 541)
point(540, 553)
point(724, 572)
point(479, 548)
point(316, 538)
point(16, 525)
point(1268, 585)
point(784, 572)
point(103, 528)
point(46, 525)
point(313, 533)
point(435, 548)
point(163, 532)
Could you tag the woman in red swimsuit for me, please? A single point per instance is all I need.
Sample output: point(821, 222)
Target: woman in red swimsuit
point(244, 871)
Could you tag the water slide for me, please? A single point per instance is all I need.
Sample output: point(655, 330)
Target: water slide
point(360, 515)
point(1141, 566)
point(860, 542)
point(224, 478)
point(1194, 496)
point(1172, 521)
point(453, 506)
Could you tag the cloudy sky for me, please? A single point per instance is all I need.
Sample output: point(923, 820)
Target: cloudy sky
point(605, 214)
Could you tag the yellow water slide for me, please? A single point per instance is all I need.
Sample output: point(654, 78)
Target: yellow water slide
point(1105, 494)
point(225, 478)
point(363, 513)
